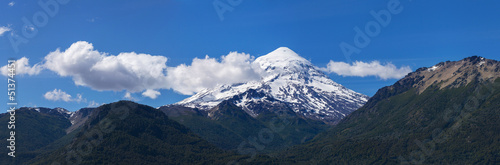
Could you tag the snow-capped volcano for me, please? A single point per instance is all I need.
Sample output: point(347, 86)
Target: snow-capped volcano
point(287, 79)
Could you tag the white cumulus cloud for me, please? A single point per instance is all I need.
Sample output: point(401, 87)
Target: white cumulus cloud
point(100, 71)
point(135, 72)
point(363, 69)
point(209, 72)
point(23, 67)
point(4, 29)
point(12, 3)
point(153, 94)
point(147, 74)
point(57, 94)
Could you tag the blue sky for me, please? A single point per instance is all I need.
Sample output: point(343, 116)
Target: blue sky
point(420, 34)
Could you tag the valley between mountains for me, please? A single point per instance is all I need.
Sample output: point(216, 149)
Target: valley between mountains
point(444, 114)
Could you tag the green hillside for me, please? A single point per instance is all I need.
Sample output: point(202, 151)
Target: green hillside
point(128, 133)
point(439, 126)
point(33, 131)
point(229, 127)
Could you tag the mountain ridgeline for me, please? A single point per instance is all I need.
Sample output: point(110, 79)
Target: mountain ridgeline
point(129, 133)
point(445, 114)
point(231, 128)
point(35, 128)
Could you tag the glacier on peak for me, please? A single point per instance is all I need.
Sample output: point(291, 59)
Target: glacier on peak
point(287, 78)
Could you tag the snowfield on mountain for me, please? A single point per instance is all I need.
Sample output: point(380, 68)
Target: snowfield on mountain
point(289, 79)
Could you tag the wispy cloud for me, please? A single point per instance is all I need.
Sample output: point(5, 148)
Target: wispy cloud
point(79, 98)
point(129, 96)
point(93, 104)
point(60, 95)
point(363, 69)
point(4, 29)
point(57, 95)
point(94, 19)
point(12, 3)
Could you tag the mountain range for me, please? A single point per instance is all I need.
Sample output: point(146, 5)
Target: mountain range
point(443, 114)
